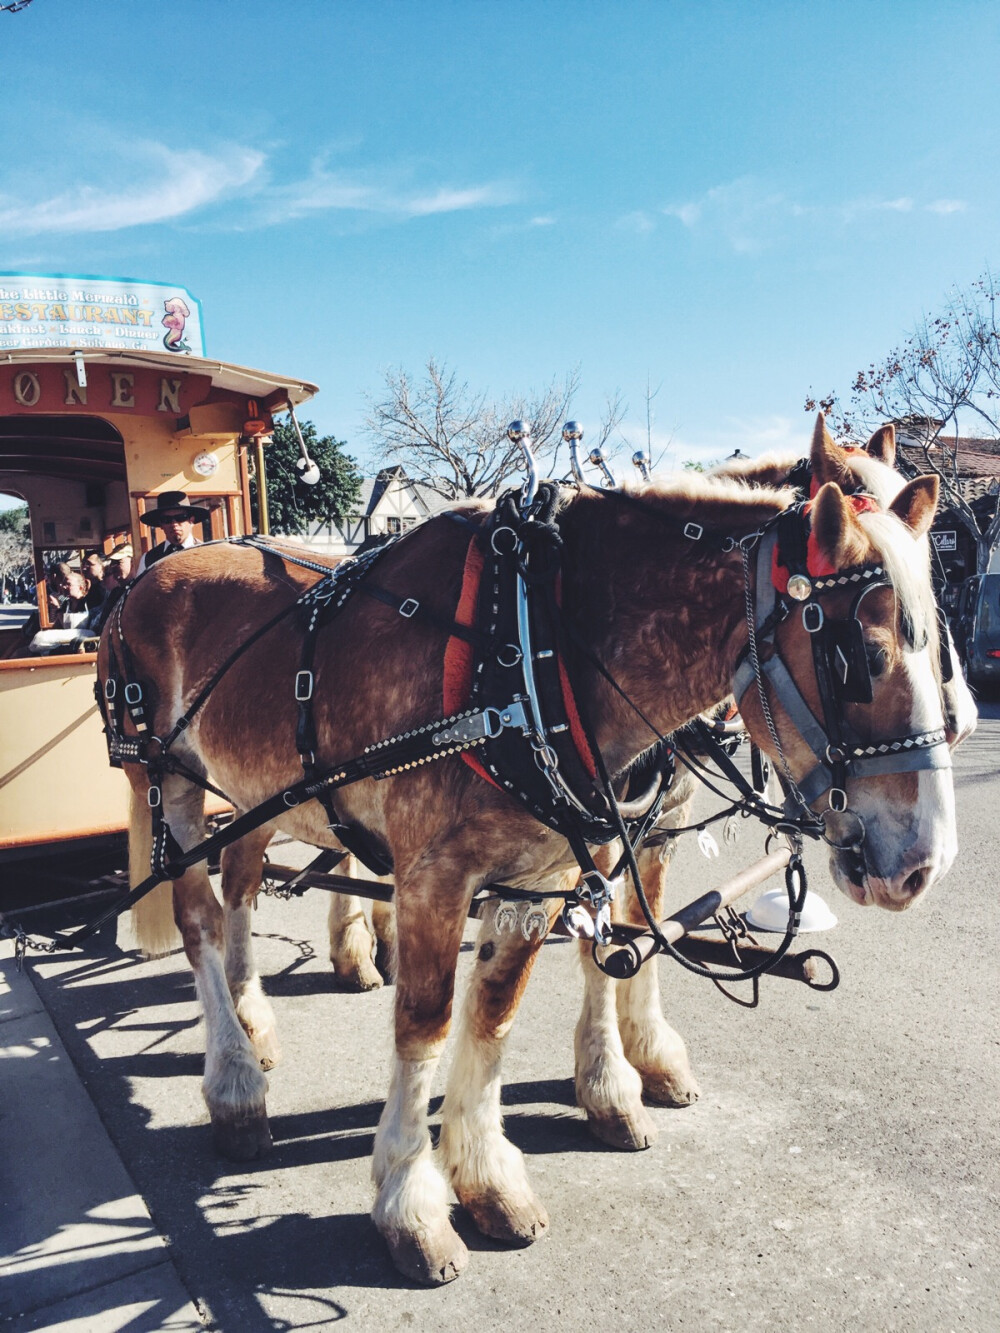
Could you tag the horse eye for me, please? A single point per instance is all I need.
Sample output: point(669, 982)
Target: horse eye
point(878, 659)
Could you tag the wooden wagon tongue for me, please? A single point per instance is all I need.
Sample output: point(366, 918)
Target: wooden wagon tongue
point(631, 945)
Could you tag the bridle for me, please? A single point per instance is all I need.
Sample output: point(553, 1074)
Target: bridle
point(776, 584)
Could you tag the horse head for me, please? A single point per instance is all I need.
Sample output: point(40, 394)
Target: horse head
point(861, 733)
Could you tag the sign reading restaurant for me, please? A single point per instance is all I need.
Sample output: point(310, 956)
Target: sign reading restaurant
point(56, 310)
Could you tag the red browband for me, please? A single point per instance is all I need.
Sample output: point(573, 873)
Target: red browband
point(816, 562)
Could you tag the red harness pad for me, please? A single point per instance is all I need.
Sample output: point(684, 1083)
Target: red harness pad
point(459, 661)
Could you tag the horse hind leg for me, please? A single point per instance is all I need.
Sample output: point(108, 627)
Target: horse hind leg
point(384, 926)
point(152, 916)
point(608, 1088)
point(351, 943)
point(234, 1085)
point(487, 1171)
point(242, 865)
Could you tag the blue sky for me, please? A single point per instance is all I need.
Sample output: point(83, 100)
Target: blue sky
point(742, 202)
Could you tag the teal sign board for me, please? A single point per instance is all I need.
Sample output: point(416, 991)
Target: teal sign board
point(57, 310)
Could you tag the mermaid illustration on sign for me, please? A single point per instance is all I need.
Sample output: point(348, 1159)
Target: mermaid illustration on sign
point(173, 321)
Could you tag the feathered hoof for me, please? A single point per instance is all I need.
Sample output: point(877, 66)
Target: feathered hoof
point(516, 1222)
point(265, 1047)
point(624, 1131)
point(241, 1138)
point(429, 1257)
point(666, 1088)
point(361, 977)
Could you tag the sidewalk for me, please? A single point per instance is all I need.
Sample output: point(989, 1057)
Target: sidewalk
point(78, 1248)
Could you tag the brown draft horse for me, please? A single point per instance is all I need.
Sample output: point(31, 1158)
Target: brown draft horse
point(626, 1050)
point(666, 619)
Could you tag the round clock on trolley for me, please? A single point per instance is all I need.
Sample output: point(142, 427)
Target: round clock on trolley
point(206, 464)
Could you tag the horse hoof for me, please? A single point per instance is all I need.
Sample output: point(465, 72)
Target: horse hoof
point(430, 1258)
point(625, 1132)
point(668, 1089)
point(242, 1138)
point(502, 1218)
point(265, 1047)
point(363, 977)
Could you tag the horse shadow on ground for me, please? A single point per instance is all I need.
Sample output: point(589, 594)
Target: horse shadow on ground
point(224, 1259)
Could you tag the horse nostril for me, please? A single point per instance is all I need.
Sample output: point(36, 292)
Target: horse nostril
point(917, 881)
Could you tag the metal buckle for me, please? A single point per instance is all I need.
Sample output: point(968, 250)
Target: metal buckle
point(110, 689)
point(154, 798)
point(133, 692)
point(812, 623)
point(838, 800)
point(409, 608)
point(595, 889)
point(501, 550)
point(303, 686)
point(693, 531)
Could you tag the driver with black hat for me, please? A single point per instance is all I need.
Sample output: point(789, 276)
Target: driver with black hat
point(174, 514)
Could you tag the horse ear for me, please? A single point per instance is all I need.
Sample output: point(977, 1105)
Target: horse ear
point(828, 462)
point(836, 529)
point(917, 503)
point(882, 445)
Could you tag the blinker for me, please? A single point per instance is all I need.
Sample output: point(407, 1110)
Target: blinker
point(799, 587)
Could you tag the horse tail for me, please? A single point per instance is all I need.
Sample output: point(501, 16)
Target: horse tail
point(152, 916)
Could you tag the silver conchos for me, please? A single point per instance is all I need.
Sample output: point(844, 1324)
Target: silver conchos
point(799, 587)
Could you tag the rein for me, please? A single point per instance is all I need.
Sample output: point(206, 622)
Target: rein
point(524, 722)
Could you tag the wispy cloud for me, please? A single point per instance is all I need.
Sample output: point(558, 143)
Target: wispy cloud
point(175, 184)
point(389, 191)
point(743, 211)
point(169, 185)
point(748, 215)
point(639, 222)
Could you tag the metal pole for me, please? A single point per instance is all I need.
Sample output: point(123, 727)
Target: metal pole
point(625, 962)
point(263, 521)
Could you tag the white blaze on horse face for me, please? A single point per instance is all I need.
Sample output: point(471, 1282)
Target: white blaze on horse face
point(908, 844)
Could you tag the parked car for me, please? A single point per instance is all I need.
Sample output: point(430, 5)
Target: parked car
point(977, 625)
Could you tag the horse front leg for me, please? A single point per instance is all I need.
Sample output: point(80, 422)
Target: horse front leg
point(487, 1171)
point(651, 1045)
point(242, 866)
point(234, 1086)
point(411, 1198)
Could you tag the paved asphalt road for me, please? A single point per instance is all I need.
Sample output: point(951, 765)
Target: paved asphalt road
point(841, 1171)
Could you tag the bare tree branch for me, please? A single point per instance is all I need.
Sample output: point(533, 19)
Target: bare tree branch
point(454, 441)
point(947, 370)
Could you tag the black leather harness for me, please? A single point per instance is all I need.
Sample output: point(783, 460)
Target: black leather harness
point(518, 722)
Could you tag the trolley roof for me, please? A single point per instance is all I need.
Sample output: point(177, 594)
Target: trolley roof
point(224, 375)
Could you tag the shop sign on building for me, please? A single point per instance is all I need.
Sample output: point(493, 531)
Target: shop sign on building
point(57, 310)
